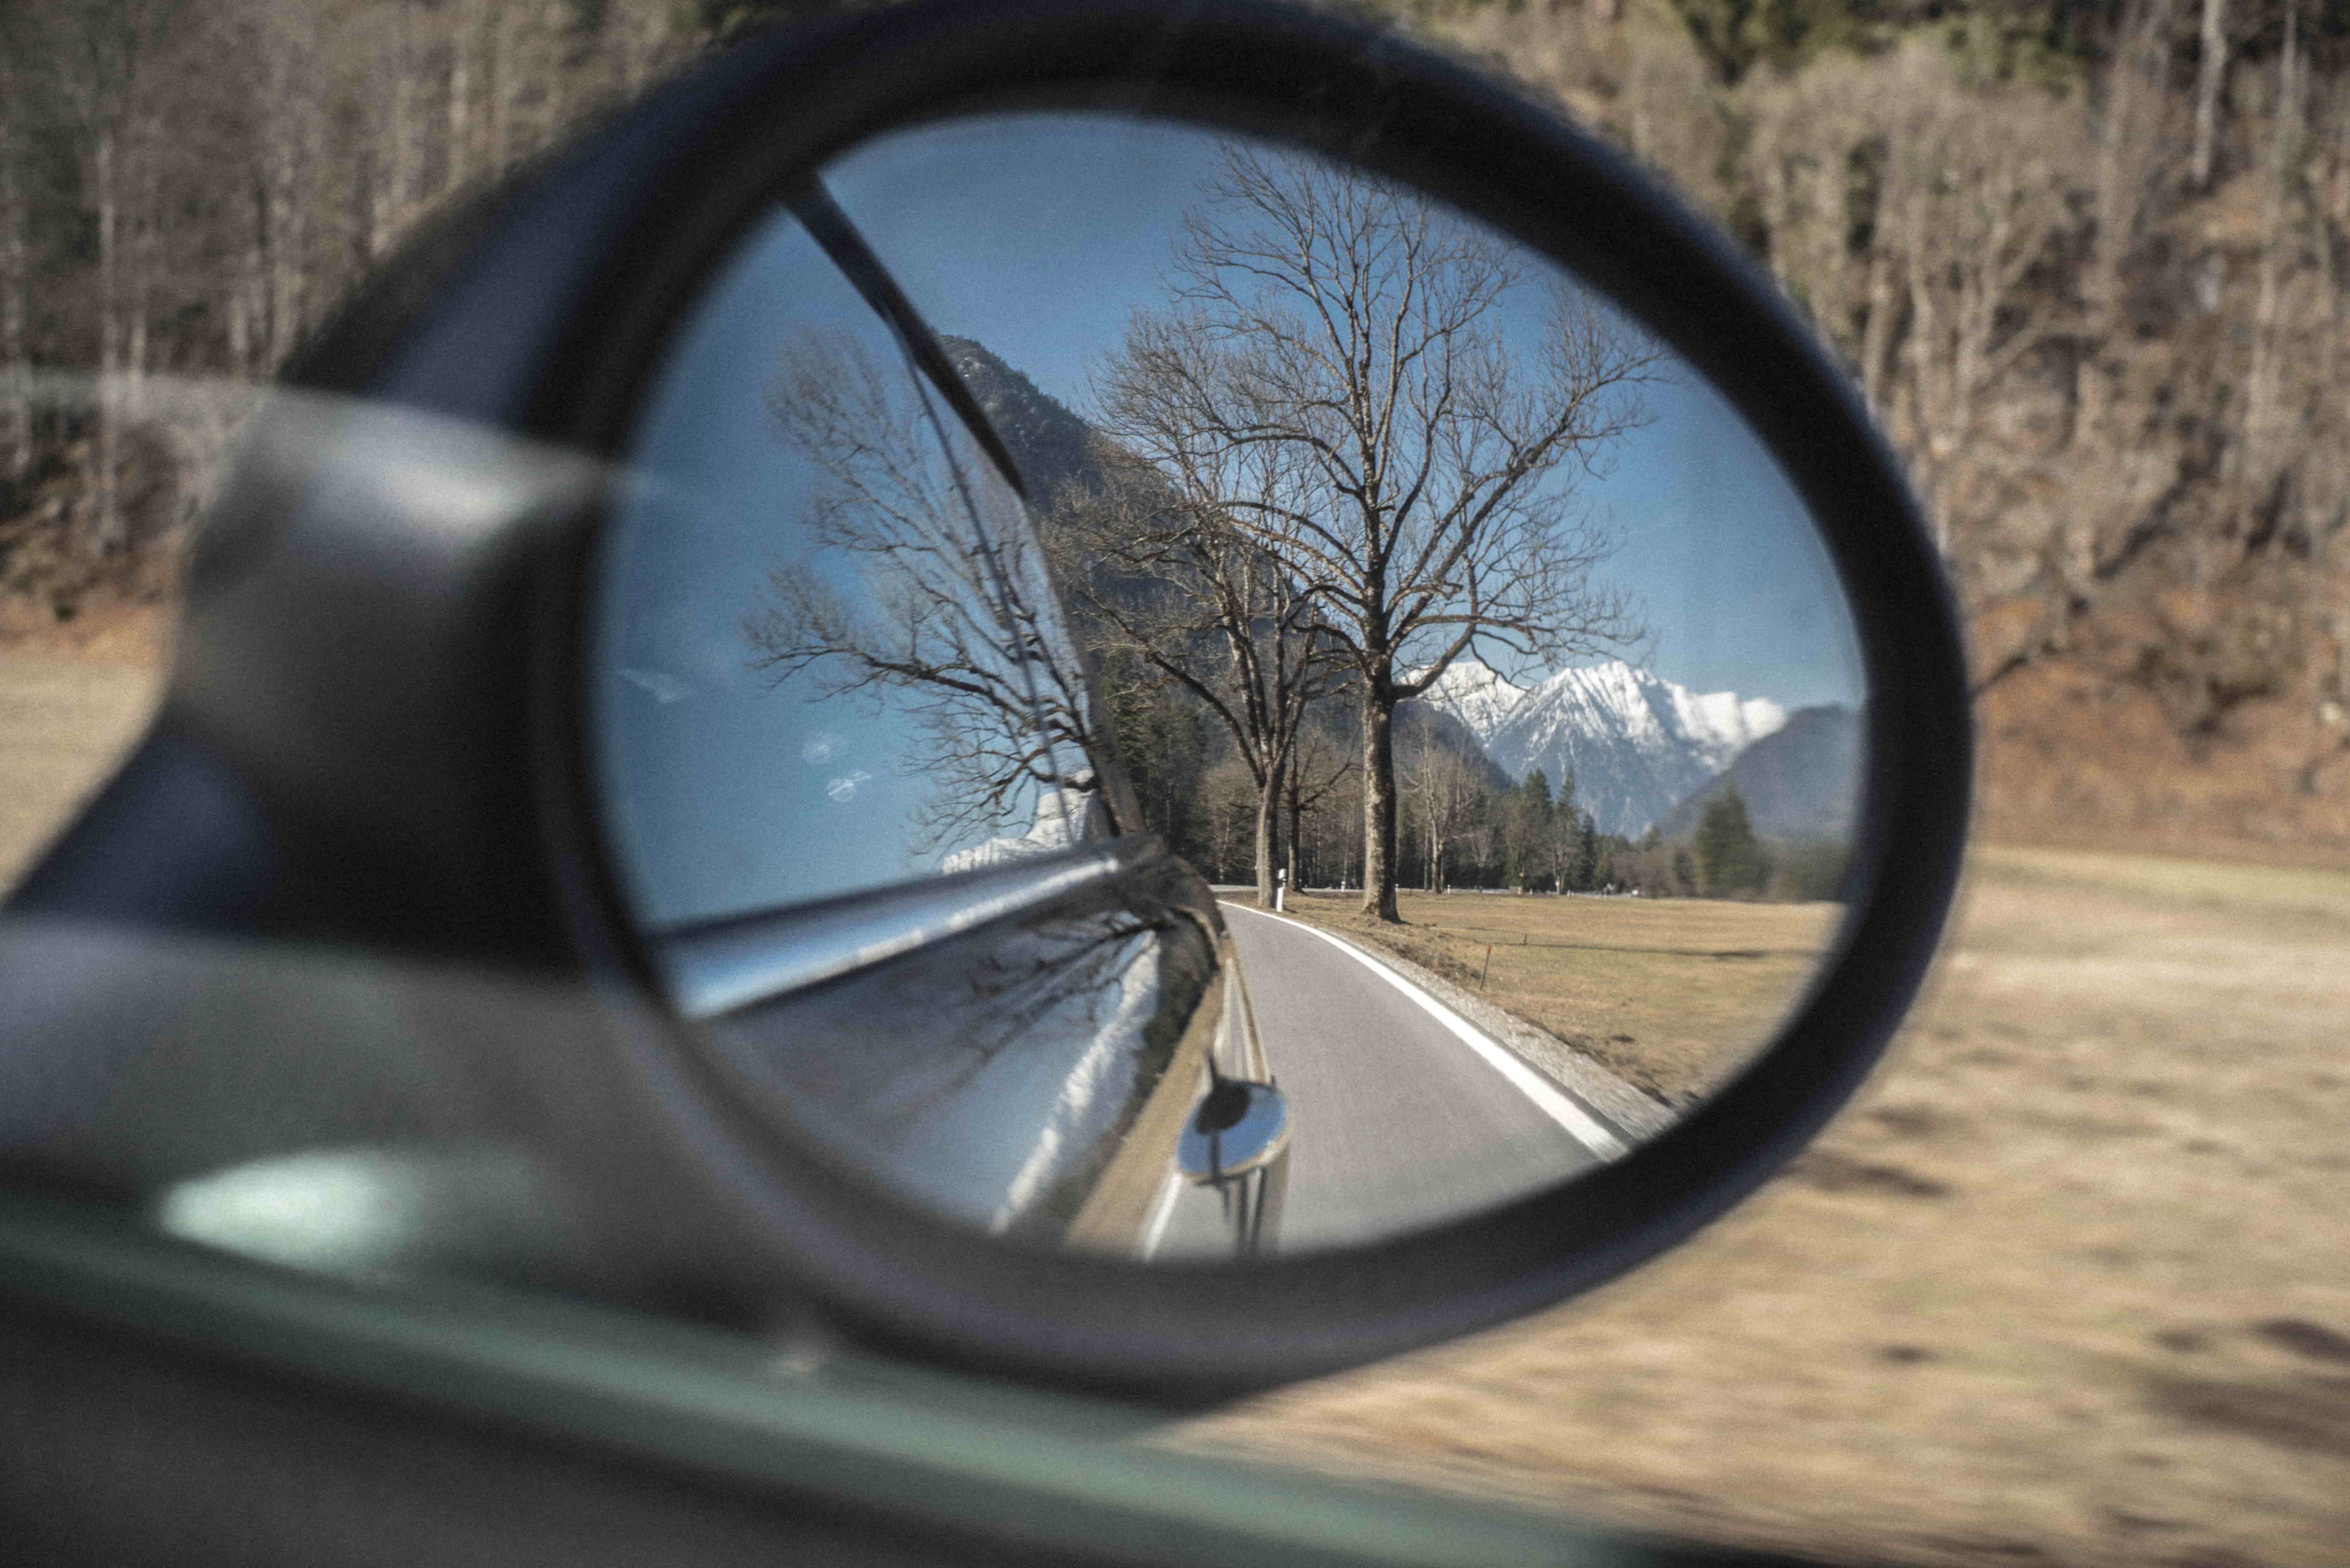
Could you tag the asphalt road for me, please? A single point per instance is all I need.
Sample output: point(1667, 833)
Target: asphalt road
point(1400, 1122)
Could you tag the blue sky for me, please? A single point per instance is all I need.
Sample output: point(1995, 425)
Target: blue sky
point(1039, 235)
point(726, 795)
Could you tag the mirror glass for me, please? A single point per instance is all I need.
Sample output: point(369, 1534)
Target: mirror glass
point(1159, 694)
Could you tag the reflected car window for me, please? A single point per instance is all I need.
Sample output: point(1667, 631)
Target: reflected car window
point(837, 662)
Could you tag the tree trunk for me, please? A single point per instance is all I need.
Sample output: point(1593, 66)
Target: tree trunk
point(2259, 447)
point(1378, 800)
point(16, 400)
point(284, 225)
point(457, 167)
point(2209, 74)
point(106, 533)
point(1291, 862)
point(1268, 834)
point(144, 217)
point(2127, 140)
point(1927, 374)
point(1876, 337)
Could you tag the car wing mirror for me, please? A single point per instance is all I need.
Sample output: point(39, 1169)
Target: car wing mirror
point(864, 570)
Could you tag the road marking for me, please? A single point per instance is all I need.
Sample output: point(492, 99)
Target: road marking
point(1162, 1209)
point(1580, 1124)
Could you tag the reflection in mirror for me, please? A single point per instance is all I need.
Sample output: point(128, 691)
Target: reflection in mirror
point(1162, 695)
point(896, 694)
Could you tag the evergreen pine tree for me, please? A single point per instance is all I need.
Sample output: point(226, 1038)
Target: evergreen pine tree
point(1525, 831)
point(1587, 853)
point(1727, 848)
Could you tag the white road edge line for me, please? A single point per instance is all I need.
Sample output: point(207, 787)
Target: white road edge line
point(1162, 1209)
point(1581, 1125)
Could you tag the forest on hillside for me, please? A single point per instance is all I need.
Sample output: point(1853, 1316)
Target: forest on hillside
point(2085, 262)
point(190, 188)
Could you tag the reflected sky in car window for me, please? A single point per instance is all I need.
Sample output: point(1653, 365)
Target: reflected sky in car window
point(791, 524)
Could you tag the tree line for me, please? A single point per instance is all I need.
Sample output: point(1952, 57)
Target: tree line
point(189, 188)
point(2089, 265)
point(2085, 262)
point(1462, 824)
point(1232, 685)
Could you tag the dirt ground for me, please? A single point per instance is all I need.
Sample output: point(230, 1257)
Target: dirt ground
point(1671, 994)
point(73, 698)
point(2070, 1284)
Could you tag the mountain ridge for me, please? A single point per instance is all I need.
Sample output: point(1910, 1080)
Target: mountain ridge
point(1637, 743)
point(1801, 781)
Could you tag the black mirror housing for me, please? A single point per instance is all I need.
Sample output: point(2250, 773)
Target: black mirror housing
point(374, 739)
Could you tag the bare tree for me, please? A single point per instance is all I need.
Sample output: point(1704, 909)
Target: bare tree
point(1977, 206)
point(392, 92)
point(286, 155)
point(1160, 568)
point(2128, 167)
point(1410, 460)
point(1443, 791)
point(16, 265)
point(2264, 447)
point(186, 189)
point(1317, 770)
point(102, 57)
point(1325, 807)
point(926, 589)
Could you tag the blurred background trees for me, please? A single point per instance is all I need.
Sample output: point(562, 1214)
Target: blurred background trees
point(188, 188)
point(2086, 262)
point(2086, 265)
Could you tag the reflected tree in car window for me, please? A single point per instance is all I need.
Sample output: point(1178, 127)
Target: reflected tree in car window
point(925, 591)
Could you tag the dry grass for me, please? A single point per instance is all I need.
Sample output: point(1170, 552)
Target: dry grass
point(1671, 994)
point(2070, 1284)
point(73, 699)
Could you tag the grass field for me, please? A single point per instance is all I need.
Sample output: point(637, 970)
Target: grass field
point(64, 723)
point(2069, 1284)
point(1671, 994)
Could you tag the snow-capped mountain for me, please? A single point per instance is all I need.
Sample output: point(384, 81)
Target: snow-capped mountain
point(1637, 743)
point(1479, 696)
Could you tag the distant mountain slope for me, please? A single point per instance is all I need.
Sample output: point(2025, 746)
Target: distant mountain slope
point(1637, 743)
point(1050, 444)
point(1801, 781)
point(1417, 726)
